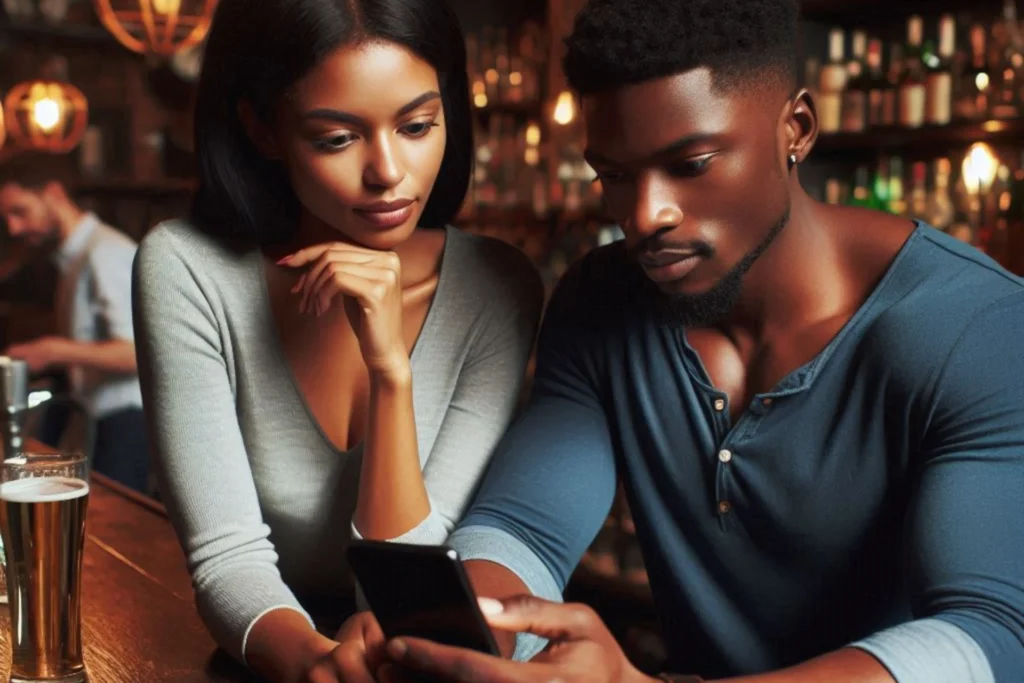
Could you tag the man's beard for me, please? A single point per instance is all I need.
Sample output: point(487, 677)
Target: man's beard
point(708, 308)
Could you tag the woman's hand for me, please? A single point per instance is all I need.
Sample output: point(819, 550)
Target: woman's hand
point(370, 284)
point(357, 658)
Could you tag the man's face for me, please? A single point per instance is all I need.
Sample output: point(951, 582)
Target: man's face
point(697, 179)
point(28, 215)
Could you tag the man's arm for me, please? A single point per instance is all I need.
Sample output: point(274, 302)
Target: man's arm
point(552, 480)
point(114, 356)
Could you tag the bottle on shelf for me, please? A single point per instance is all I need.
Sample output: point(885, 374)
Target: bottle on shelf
point(973, 89)
point(890, 96)
point(912, 92)
point(862, 194)
point(855, 96)
point(877, 83)
point(939, 95)
point(832, 82)
point(897, 198)
point(917, 209)
point(880, 183)
point(941, 211)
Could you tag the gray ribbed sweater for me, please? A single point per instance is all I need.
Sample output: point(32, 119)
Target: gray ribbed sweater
point(260, 499)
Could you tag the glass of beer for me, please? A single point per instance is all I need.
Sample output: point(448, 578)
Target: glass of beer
point(43, 500)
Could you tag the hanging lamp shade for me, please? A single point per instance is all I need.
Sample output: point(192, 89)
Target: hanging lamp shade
point(160, 27)
point(46, 115)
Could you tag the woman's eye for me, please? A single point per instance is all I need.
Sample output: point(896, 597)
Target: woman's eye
point(419, 129)
point(335, 142)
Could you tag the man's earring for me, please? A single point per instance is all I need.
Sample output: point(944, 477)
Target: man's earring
point(791, 161)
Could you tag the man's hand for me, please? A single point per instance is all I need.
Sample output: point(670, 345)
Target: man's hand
point(581, 649)
point(41, 354)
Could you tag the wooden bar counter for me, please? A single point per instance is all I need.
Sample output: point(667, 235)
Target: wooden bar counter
point(139, 622)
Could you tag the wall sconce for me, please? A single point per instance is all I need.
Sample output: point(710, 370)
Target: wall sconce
point(565, 109)
point(49, 114)
point(160, 27)
point(979, 168)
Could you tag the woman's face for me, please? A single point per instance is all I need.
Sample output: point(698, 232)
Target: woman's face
point(363, 136)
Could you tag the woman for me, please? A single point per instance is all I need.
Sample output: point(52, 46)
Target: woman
point(313, 365)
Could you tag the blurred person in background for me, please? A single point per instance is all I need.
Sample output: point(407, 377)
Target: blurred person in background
point(93, 344)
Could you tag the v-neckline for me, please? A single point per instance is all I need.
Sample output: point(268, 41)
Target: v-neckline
point(267, 310)
point(801, 378)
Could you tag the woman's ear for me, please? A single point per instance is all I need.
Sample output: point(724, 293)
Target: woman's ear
point(260, 134)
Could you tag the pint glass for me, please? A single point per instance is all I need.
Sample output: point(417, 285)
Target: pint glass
point(43, 500)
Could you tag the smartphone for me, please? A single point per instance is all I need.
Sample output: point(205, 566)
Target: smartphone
point(420, 591)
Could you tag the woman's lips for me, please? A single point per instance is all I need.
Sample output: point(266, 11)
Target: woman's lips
point(386, 217)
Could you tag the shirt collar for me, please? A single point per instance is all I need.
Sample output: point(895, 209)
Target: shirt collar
point(74, 245)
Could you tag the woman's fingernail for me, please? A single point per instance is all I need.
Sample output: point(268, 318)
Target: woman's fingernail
point(286, 259)
point(397, 648)
point(490, 606)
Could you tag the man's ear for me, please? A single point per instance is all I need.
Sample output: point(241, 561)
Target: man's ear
point(260, 134)
point(801, 124)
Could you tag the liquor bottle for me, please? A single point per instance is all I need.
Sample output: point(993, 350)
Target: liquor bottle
point(918, 207)
point(501, 64)
point(897, 199)
point(890, 96)
point(1003, 72)
point(876, 82)
point(973, 89)
point(812, 77)
point(880, 184)
point(833, 191)
point(912, 80)
point(862, 195)
point(832, 82)
point(855, 97)
point(941, 211)
point(940, 75)
point(487, 57)
point(1015, 222)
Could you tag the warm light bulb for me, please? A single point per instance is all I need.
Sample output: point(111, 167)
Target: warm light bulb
point(46, 113)
point(533, 134)
point(166, 6)
point(979, 168)
point(480, 100)
point(565, 109)
point(515, 78)
point(531, 156)
point(982, 81)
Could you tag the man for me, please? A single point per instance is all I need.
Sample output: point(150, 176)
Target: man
point(94, 344)
point(817, 412)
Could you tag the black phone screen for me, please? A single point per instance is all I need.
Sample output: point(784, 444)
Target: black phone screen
point(420, 591)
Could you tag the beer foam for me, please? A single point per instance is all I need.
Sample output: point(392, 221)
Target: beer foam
point(43, 489)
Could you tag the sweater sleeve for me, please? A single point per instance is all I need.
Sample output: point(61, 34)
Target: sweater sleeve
point(200, 457)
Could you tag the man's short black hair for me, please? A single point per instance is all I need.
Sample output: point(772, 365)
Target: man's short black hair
point(615, 43)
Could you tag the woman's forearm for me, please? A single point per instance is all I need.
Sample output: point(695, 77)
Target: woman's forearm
point(282, 646)
point(392, 496)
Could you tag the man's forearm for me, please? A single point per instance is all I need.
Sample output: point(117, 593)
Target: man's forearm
point(117, 356)
point(491, 580)
point(848, 665)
